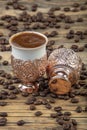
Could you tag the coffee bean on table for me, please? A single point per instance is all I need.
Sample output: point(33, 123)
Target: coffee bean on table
point(79, 109)
point(25, 94)
point(38, 113)
point(67, 113)
point(32, 107)
point(74, 122)
point(30, 100)
point(66, 126)
point(5, 62)
point(12, 96)
point(75, 5)
point(3, 103)
point(53, 115)
point(3, 114)
point(79, 20)
point(48, 106)
point(20, 122)
point(52, 101)
point(66, 9)
point(57, 109)
point(66, 118)
point(74, 100)
point(3, 121)
point(60, 121)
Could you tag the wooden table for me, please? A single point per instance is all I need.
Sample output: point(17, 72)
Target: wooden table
point(16, 109)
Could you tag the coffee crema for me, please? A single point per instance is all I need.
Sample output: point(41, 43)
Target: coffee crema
point(28, 40)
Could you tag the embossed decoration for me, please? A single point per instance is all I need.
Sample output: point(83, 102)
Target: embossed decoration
point(63, 69)
point(29, 71)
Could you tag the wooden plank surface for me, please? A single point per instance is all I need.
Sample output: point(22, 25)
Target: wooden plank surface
point(16, 109)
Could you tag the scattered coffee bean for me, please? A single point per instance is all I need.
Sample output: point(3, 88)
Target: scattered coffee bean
point(79, 109)
point(83, 7)
point(57, 108)
point(12, 96)
point(75, 5)
point(67, 113)
point(38, 113)
point(20, 122)
point(3, 121)
point(5, 62)
point(53, 115)
point(66, 9)
point(48, 106)
point(74, 100)
point(32, 107)
point(30, 100)
point(66, 118)
point(74, 122)
point(79, 20)
point(25, 94)
point(3, 103)
point(66, 126)
point(60, 121)
point(3, 114)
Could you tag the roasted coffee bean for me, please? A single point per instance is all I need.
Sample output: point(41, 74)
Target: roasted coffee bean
point(12, 87)
point(53, 115)
point(44, 102)
point(59, 113)
point(66, 9)
point(57, 108)
point(66, 97)
point(38, 113)
point(3, 121)
point(3, 114)
point(25, 94)
point(74, 100)
point(67, 113)
point(4, 92)
point(20, 122)
point(12, 96)
point(66, 126)
point(7, 7)
point(66, 118)
point(70, 36)
point(1, 34)
point(48, 106)
point(35, 94)
point(5, 62)
point(67, 27)
point(76, 39)
point(79, 20)
point(53, 95)
point(79, 109)
point(53, 33)
point(60, 121)
point(52, 101)
point(83, 7)
point(42, 94)
point(3, 103)
point(15, 91)
point(74, 122)
point(22, 7)
point(38, 102)
point(75, 5)
point(32, 107)
point(81, 48)
point(30, 100)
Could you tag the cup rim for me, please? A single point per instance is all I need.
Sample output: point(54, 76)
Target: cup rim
point(24, 48)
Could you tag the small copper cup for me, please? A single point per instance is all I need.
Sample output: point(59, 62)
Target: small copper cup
point(28, 63)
